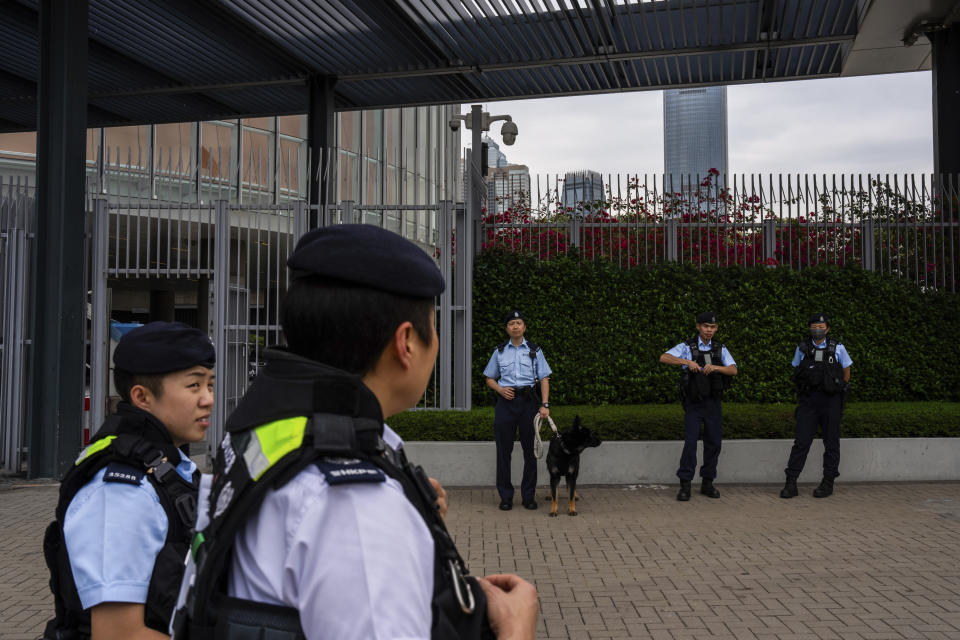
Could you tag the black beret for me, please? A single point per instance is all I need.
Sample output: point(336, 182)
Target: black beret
point(513, 315)
point(163, 347)
point(369, 256)
point(818, 318)
point(707, 316)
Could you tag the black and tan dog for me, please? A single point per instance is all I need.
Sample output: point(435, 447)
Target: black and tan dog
point(563, 459)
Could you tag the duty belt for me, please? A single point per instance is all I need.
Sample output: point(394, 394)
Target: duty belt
point(524, 392)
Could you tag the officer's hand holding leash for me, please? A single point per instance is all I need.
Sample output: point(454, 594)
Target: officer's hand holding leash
point(512, 606)
point(441, 498)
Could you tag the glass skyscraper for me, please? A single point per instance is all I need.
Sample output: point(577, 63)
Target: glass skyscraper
point(694, 135)
point(582, 186)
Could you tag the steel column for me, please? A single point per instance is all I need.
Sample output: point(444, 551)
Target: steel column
point(769, 238)
point(14, 324)
point(221, 289)
point(672, 228)
point(476, 185)
point(301, 220)
point(347, 214)
point(463, 310)
point(322, 137)
point(100, 316)
point(56, 391)
point(945, 59)
point(445, 325)
point(868, 246)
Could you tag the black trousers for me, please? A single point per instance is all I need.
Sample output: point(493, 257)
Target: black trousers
point(817, 409)
point(694, 413)
point(511, 416)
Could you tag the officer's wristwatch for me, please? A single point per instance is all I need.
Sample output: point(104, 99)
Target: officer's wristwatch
point(545, 405)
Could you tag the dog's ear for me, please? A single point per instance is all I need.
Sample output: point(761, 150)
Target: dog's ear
point(576, 422)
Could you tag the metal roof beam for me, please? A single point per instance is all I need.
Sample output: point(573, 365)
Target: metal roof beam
point(597, 58)
point(200, 88)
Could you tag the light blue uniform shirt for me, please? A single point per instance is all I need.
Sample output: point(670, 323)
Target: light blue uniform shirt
point(842, 354)
point(356, 560)
point(512, 367)
point(682, 350)
point(114, 532)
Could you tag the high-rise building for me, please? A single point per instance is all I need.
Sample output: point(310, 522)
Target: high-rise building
point(581, 186)
point(405, 156)
point(496, 159)
point(507, 187)
point(694, 135)
point(382, 156)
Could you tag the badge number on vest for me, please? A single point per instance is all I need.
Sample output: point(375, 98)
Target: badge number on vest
point(119, 472)
point(345, 471)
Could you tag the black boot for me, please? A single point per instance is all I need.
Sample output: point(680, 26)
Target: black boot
point(789, 489)
point(684, 494)
point(824, 489)
point(707, 488)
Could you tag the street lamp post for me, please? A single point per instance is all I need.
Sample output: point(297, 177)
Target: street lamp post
point(479, 121)
point(467, 234)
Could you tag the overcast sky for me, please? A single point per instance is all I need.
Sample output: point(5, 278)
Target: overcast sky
point(838, 125)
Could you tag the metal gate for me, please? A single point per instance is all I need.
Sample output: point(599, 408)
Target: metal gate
point(17, 220)
point(232, 258)
point(230, 262)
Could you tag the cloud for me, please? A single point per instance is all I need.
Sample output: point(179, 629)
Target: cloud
point(837, 125)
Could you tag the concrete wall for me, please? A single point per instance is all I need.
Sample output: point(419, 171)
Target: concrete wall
point(741, 461)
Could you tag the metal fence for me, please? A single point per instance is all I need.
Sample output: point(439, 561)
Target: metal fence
point(222, 264)
point(903, 226)
point(229, 261)
point(17, 226)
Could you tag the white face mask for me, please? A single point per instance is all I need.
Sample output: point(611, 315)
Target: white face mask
point(818, 334)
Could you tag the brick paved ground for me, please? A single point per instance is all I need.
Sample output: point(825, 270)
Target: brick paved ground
point(873, 561)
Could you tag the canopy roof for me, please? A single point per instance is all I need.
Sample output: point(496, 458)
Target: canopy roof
point(186, 60)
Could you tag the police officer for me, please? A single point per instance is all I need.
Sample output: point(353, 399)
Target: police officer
point(706, 368)
point(516, 371)
point(127, 506)
point(316, 523)
point(822, 376)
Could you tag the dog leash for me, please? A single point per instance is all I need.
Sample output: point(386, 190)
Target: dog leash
point(537, 442)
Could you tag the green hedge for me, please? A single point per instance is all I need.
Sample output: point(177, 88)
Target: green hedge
point(665, 421)
point(602, 328)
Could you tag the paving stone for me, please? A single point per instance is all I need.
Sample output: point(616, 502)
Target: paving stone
point(877, 561)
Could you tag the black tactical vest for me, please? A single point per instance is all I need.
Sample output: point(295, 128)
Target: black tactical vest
point(130, 444)
point(298, 413)
point(819, 369)
point(695, 386)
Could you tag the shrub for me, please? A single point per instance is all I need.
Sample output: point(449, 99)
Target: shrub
point(665, 421)
point(603, 328)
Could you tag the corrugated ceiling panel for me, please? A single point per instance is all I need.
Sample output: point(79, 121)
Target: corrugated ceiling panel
point(141, 51)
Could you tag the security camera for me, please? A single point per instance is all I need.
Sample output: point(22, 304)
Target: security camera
point(454, 125)
point(509, 132)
